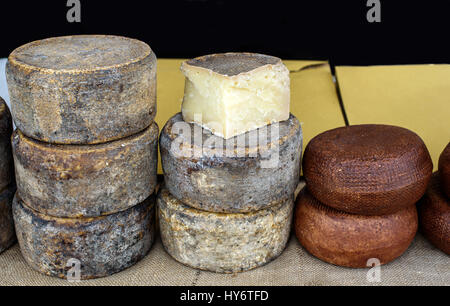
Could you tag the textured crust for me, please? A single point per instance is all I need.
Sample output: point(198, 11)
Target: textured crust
point(82, 89)
point(350, 240)
point(7, 233)
point(6, 163)
point(86, 181)
point(223, 243)
point(444, 170)
point(231, 64)
point(367, 169)
point(232, 184)
point(103, 246)
point(434, 216)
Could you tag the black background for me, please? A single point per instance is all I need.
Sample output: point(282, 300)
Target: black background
point(410, 32)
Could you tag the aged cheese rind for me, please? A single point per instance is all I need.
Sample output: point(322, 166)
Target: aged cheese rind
point(367, 169)
point(7, 233)
point(82, 89)
point(6, 160)
point(223, 243)
point(444, 170)
point(434, 216)
point(103, 245)
point(88, 180)
point(233, 93)
point(217, 183)
point(351, 240)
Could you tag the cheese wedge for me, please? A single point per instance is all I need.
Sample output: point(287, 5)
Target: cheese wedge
point(233, 93)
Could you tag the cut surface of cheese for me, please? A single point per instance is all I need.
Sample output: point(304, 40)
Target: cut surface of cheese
point(223, 243)
point(246, 173)
point(233, 93)
point(7, 233)
point(434, 215)
point(352, 240)
point(6, 162)
point(99, 246)
point(86, 180)
point(84, 89)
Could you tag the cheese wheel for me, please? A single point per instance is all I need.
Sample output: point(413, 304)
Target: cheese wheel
point(7, 234)
point(444, 170)
point(82, 89)
point(352, 240)
point(246, 173)
point(223, 243)
point(101, 246)
point(367, 169)
point(6, 163)
point(434, 216)
point(87, 180)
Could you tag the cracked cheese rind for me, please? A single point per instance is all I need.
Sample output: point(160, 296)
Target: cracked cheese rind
point(6, 160)
point(86, 180)
point(7, 233)
point(223, 243)
point(351, 240)
point(234, 179)
point(83, 89)
point(103, 245)
point(233, 93)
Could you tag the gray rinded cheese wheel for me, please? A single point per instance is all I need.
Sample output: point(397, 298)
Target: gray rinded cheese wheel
point(234, 179)
point(6, 163)
point(223, 243)
point(86, 180)
point(101, 246)
point(82, 89)
point(7, 234)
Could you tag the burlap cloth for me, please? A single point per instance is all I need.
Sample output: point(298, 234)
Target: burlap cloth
point(422, 265)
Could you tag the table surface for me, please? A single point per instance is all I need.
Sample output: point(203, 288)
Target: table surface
point(379, 98)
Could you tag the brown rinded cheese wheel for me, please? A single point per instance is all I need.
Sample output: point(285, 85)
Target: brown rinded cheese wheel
point(434, 216)
point(351, 240)
point(444, 170)
point(82, 89)
point(86, 180)
point(7, 234)
point(223, 243)
point(236, 178)
point(367, 169)
point(102, 246)
point(6, 161)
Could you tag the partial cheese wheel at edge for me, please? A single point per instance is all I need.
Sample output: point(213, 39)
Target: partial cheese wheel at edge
point(99, 246)
point(223, 243)
point(367, 169)
point(84, 89)
point(6, 160)
point(86, 180)
point(7, 234)
point(218, 177)
point(352, 240)
point(444, 170)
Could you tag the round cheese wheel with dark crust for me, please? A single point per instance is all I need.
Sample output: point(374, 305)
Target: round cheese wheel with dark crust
point(86, 180)
point(82, 89)
point(367, 169)
point(246, 173)
point(434, 216)
point(6, 161)
point(223, 243)
point(444, 170)
point(98, 247)
point(350, 240)
point(7, 233)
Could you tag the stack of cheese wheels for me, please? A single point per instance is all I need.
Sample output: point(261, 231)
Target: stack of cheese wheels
point(434, 209)
point(7, 186)
point(85, 153)
point(232, 163)
point(363, 182)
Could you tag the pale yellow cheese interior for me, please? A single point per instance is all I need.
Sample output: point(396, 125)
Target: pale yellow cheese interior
point(233, 105)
